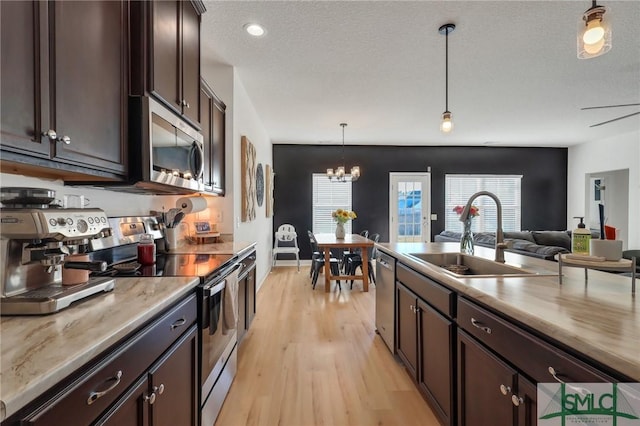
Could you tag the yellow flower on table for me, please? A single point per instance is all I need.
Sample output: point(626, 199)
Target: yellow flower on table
point(342, 216)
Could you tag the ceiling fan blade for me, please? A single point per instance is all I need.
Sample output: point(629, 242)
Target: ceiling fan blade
point(609, 106)
point(615, 119)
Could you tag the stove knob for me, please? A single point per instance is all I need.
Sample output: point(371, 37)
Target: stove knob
point(53, 222)
point(82, 226)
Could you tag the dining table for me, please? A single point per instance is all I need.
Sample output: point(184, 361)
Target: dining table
point(326, 242)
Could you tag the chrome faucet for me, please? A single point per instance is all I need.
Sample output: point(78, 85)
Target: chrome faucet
point(500, 244)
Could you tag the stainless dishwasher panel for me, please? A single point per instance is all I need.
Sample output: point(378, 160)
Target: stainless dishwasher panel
point(385, 298)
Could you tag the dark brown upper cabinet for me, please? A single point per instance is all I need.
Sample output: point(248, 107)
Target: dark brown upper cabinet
point(171, 46)
point(64, 88)
point(212, 120)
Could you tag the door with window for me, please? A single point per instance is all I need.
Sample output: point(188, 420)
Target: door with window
point(409, 207)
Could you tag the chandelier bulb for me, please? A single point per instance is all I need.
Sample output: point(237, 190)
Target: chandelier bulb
point(446, 125)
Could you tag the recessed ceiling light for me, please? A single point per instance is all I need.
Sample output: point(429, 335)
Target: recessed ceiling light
point(255, 30)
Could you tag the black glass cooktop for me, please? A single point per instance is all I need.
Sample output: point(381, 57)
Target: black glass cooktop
point(176, 265)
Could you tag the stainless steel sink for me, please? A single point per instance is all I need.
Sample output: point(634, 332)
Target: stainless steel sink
point(466, 266)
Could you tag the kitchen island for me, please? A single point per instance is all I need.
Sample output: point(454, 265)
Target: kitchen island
point(477, 346)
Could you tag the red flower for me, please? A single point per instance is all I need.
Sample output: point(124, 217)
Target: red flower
point(473, 212)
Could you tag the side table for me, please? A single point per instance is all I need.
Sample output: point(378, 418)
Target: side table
point(622, 265)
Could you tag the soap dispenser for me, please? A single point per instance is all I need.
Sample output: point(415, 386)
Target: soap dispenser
point(580, 238)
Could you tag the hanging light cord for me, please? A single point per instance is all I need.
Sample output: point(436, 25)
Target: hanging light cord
point(343, 163)
point(446, 71)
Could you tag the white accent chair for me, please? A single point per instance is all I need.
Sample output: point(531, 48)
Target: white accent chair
point(286, 242)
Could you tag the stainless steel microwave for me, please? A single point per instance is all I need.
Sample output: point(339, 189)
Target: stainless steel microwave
point(166, 153)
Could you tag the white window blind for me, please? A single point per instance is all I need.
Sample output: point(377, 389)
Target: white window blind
point(327, 197)
point(459, 188)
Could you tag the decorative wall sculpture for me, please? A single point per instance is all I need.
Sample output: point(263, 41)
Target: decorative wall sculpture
point(248, 170)
point(269, 190)
point(259, 185)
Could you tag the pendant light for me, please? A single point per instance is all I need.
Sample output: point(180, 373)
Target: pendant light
point(446, 125)
point(340, 174)
point(594, 32)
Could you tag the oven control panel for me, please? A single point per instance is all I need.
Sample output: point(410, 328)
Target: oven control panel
point(58, 224)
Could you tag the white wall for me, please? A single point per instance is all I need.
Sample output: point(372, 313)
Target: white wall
point(242, 120)
point(615, 153)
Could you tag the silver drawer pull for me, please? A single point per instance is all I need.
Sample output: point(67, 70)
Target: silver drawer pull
point(51, 134)
point(553, 373)
point(505, 389)
point(516, 400)
point(65, 139)
point(178, 323)
point(94, 396)
point(150, 398)
point(478, 324)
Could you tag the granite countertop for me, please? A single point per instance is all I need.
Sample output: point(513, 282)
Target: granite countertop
point(599, 319)
point(234, 247)
point(39, 351)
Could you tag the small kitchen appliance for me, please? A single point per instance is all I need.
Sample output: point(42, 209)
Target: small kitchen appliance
point(35, 243)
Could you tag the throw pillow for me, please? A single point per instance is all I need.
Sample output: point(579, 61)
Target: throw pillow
point(552, 238)
point(520, 235)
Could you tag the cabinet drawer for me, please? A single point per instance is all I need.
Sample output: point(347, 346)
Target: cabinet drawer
point(530, 354)
point(101, 384)
point(430, 291)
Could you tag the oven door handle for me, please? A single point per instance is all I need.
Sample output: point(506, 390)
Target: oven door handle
point(208, 291)
point(214, 310)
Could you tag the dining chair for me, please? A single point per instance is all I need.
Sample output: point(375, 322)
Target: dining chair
point(286, 242)
point(347, 254)
point(317, 262)
point(356, 261)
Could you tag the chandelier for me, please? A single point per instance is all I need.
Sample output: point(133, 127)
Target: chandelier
point(594, 32)
point(340, 173)
point(447, 124)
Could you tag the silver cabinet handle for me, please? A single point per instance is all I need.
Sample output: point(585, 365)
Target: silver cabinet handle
point(478, 324)
point(151, 398)
point(414, 309)
point(51, 134)
point(159, 389)
point(516, 400)
point(553, 373)
point(178, 323)
point(65, 139)
point(94, 396)
point(505, 390)
point(185, 103)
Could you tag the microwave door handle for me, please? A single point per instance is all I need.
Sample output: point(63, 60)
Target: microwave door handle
point(196, 160)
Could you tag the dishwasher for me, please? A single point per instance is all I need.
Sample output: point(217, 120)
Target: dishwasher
point(385, 298)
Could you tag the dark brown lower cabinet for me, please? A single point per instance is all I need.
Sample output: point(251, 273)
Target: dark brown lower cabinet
point(150, 378)
point(424, 344)
point(167, 395)
point(485, 384)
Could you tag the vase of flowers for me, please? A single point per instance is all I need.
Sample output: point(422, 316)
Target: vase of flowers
point(466, 240)
point(341, 217)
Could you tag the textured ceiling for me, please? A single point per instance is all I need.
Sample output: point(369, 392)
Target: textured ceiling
point(514, 78)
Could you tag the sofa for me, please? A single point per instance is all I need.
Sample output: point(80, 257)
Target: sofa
point(540, 244)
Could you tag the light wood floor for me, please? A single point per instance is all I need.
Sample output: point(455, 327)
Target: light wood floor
point(313, 358)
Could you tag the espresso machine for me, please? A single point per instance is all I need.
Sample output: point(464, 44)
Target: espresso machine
point(35, 245)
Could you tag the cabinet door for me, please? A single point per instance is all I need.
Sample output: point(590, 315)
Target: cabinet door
point(242, 308)
point(174, 382)
point(88, 50)
point(218, 141)
point(251, 297)
point(132, 409)
point(526, 402)
point(407, 327)
point(206, 99)
point(24, 76)
point(190, 61)
point(436, 359)
point(165, 53)
point(482, 379)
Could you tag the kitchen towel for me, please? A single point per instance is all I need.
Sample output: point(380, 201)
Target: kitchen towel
point(230, 308)
point(192, 204)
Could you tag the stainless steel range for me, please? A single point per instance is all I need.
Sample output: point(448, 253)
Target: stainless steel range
point(34, 247)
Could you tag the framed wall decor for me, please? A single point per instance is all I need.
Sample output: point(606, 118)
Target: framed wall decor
point(248, 170)
point(269, 190)
point(259, 185)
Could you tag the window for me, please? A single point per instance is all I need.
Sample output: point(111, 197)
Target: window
point(327, 197)
point(459, 188)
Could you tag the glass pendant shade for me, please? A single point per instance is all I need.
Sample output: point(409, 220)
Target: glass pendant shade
point(446, 125)
point(594, 33)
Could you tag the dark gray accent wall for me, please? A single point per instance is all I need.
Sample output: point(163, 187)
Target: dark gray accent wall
point(543, 170)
